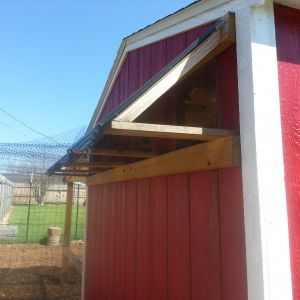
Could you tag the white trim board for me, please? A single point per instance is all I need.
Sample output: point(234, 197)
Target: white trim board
point(266, 223)
point(200, 13)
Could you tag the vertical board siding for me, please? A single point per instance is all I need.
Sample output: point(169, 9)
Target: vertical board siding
point(130, 250)
point(176, 237)
point(228, 94)
point(90, 253)
point(158, 239)
point(288, 54)
point(142, 239)
point(143, 63)
point(120, 241)
point(231, 211)
point(179, 279)
point(232, 241)
point(204, 230)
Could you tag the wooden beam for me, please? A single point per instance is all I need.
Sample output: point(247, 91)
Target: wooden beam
point(73, 260)
point(106, 164)
point(75, 179)
point(264, 188)
point(217, 154)
point(122, 153)
point(207, 50)
point(166, 131)
point(68, 223)
point(72, 173)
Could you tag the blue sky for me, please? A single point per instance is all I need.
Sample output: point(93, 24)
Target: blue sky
point(55, 56)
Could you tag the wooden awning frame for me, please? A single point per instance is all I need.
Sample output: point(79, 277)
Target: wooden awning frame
point(221, 148)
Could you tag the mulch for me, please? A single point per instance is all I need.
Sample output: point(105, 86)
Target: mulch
point(33, 271)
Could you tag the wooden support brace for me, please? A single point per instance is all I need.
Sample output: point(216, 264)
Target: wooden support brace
point(166, 131)
point(108, 164)
point(72, 259)
point(217, 154)
point(75, 179)
point(117, 153)
point(68, 223)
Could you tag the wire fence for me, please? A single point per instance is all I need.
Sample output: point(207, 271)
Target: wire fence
point(32, 222)
point(6, 188)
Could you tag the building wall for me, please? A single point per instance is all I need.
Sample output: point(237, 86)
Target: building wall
point(142, 64)
point(167, 238)
point(288, 52)
point(175, 237)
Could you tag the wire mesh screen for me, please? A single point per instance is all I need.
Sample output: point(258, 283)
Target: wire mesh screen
point(31, 236)
point(198, 100)
point(32, 222)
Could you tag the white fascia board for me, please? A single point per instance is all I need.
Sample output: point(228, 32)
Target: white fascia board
point(266, 220)
point(193, 16)
point(290, 3)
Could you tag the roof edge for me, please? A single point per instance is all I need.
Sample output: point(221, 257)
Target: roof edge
point(194, 15)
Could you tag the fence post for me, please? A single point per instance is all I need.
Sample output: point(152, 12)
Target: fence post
point(77, 210)
point(68, 223)
point(29, 206)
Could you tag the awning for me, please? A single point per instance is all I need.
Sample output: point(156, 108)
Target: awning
point(81, 159)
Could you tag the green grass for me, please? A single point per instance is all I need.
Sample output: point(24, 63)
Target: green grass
point(42, 217)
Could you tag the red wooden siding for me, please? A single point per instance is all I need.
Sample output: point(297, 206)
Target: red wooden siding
point(167, 238)
point(176, 237)
point(288, 51)
point(233, 250)
point(143, 63)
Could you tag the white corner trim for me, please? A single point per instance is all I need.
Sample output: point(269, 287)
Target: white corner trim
point(289, 3)
point(196, 15)
point(266, 222)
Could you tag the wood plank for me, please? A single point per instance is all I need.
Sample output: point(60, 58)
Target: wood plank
point(72, 259)
point(75, 179)
point(158, 239)
point(97, 238)
point(117, 153)
point(266, 224)
point(232, 235)
point(179, 277)
point(72, 173)
point(205, 239)
point(207, 50)
point(130, 250)
point(105, 164)
point(166, 131)
point(110, 242)
point(68, 223)
point(102, 251)
point(217, 154)
point(120, 241)
point(142, 239)
point(288, 51)
point(175, 45)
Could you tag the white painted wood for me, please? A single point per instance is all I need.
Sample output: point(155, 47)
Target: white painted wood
point(196, 15)
point(167, 131)
point(266, 225)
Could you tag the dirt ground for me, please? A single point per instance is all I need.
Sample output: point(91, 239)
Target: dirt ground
point(33, 271)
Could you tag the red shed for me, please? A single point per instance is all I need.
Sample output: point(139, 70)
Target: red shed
point(192, 159)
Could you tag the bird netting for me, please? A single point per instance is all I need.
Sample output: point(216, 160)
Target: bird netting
point(32, 221)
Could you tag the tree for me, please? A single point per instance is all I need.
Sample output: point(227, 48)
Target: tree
point(39, 188)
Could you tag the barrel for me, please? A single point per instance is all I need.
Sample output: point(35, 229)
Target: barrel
point(53, 235)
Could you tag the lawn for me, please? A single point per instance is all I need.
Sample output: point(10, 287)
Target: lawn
point(42, 217)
